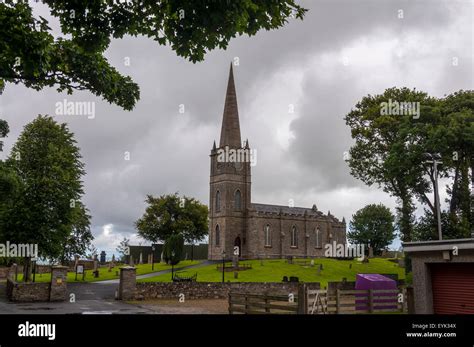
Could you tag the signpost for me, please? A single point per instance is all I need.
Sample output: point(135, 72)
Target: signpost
point(80, 270)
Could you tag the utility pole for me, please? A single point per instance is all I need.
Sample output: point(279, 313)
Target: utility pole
point(435, 160)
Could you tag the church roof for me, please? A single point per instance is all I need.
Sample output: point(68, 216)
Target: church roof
point(230, 131)
point(264, 208)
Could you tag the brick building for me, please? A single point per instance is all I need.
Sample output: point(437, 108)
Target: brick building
point(258, 230)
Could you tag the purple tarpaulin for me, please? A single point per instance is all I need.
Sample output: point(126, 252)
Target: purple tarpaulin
point(375, 281)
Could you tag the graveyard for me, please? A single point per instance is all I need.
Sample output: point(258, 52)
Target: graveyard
point(322, 270)
point(106, 273)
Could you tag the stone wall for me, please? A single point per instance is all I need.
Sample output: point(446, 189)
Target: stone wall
point(4, 272)
point(27, 292)
point(40, 269)
point(213, 290)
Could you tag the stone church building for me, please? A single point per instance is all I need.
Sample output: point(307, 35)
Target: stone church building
point(258, 230)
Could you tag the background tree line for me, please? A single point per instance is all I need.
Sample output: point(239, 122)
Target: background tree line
point(390, 152)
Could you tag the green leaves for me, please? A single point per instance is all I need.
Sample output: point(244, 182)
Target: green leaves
point(29, 53)
point(172, 215)
point(46, 208)
point(373, 225)
point(389, 148)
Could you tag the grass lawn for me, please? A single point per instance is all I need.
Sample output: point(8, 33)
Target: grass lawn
point(274, 270)
point(104, 273)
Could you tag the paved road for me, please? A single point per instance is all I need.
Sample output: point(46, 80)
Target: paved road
point(90, 298)
point(153, 274)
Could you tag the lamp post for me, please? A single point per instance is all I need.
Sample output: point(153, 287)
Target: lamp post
point(172, 265)
point(152, 258)
point(435, 160)
point(223, 266)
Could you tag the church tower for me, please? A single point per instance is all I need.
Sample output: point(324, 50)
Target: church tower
point(229, 196)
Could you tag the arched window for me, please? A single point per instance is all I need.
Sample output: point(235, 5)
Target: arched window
point(218, 201)
point(268, 236)
point(218, 235)
point(318, 237)
point(294, 237)
point(238, 200)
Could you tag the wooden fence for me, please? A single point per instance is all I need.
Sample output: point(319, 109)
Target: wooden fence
point(261, 304)
point(356, 301)
point(320, 302)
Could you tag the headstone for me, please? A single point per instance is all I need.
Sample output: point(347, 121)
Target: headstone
point(102, 257)
point(111, 266)
point(141, 258)
point(235, 261)
point(96, 263)
point(384, 253)
point(131, 263)
point(312, 263)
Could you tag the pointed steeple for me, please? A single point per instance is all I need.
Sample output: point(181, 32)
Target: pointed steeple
point(230, 131)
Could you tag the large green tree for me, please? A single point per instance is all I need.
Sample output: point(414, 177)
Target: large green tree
point(390, 149)
point(372, 226)
point(47, 209)
point(30, 54)
point(171, 214)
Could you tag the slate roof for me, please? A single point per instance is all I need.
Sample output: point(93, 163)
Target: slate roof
point(264, 208)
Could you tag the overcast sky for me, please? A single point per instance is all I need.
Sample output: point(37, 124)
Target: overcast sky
point(319, 68)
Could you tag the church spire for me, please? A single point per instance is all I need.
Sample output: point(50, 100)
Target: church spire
point(230, 131)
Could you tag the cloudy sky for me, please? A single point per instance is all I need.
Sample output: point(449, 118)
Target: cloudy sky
point(294, 86)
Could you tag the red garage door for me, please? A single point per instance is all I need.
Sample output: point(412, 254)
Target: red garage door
point(453, 288)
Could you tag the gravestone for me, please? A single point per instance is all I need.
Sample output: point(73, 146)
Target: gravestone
point(102, 257)
point(96, 263)
point(140, 261)
point(312, 263)
point(235, 261)
point(131, 262)
point(96, 267)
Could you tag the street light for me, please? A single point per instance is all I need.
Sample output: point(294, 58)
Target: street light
point(435, 159)
point(152, 258)
point(223, 266)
